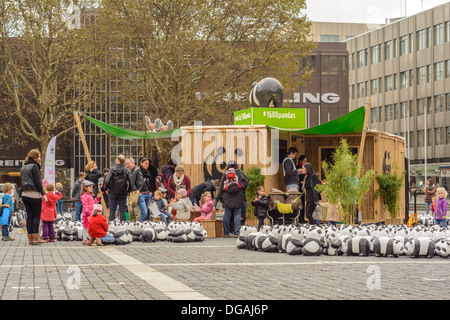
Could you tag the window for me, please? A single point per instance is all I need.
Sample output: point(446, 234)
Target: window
point(420, 107)
point(394, 48)
point(329, 38)
point(374, 86)
point(421, 40)
point(439, 136)
point(428, 37)
point(388, 83)
point(447, 102)
point(388, 112)
point(360, 89)
point(411, 139)
point(380, 114)
point(374, 115)
point(429, 105)
point(439, 71)
point(420, 138)
point(438, 103)
point(403, 45)
point(374, 54)
point(447, 134)
point(447, 31)
point(429, 137)
point(403, 106)
point(429, 73)
point(333, 65)
point(447, 68)
point(421, 75)
point(404, 79)
point(351, 61)
point(360, 59)
point(411, 109)
point(438, 34)
point(395, 111)
point(388, 50)
point(395, 81)
point(411, 42)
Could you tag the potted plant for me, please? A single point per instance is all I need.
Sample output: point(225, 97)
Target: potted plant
point(344, 185)
point(389, 189)
point(255, 179)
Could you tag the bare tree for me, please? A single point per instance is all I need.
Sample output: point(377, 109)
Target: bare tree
point(47, 68)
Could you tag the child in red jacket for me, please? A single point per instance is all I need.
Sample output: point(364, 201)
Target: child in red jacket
point(48, 213)
point(98, 227)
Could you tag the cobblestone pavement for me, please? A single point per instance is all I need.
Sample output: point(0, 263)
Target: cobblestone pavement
point(214, 269)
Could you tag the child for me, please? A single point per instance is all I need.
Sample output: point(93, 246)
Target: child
point(59, 203)
point(88, 206)
point(98, 227)
point(440, 215)
point(183, 205)
point(48, 213)
point(206, 207)
point(76, 193)
point(159, 202)
point(433, 205)
point(261, 204)
point(7, 201)
point(333, 217)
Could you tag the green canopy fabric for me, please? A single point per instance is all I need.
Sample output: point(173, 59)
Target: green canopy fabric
point(124, 133)
point(351, 122)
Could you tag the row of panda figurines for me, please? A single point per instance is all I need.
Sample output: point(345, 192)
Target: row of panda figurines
point(127, 232)
point(372, 239)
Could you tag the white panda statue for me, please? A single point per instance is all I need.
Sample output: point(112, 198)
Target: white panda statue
point(388, 247)
point(312, 247)
point(251, 239)
point(421, 247)
point(244, 231)
point(358, 246)
point(294, 243)
point(333, 243)
point(123, 237)
point(442, 248)
point(148, 235)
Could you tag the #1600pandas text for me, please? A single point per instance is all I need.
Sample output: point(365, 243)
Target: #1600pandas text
point(238, 309)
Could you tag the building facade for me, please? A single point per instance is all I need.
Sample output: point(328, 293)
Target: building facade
point(405, 68)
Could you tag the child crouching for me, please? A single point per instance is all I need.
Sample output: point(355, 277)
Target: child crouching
point(159, 202)
point(98, 227)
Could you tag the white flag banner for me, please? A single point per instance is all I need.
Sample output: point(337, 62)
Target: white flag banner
point(49, 170)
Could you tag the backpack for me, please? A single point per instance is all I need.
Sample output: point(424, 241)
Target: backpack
point(232, 183)
point(119, 183)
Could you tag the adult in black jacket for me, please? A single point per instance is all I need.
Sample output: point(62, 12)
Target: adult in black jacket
point(290, 171)
point(312, 196)
point(93, 174)
point(198, 190)
point(148, 187)
point(118, 183)
point(232, 202)
point(31, 191)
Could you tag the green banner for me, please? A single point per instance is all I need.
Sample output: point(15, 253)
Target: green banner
point(124, 133)
point(292, 118)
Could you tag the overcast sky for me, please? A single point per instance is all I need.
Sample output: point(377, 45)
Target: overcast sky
point(365, 11)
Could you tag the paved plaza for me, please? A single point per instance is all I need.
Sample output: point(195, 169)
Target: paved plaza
point(211, 270)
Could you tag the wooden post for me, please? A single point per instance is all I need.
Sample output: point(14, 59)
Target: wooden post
point(88, 156)
point(364, 132)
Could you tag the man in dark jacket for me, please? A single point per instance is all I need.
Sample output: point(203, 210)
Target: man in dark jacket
point(198, 190)
point(290, 171)
point(138, 180)
point(232, 199)
point(148, 187)
point(168, 170)
point(118, 184)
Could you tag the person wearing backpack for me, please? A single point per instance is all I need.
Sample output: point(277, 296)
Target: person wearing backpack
point(118, 183)
point(231, 194)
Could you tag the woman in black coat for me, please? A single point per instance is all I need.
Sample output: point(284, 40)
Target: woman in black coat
point(312, 196)
point(32, 193)
point(93, 174)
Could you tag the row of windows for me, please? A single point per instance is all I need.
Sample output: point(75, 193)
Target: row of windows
point(401, 46)
point(402, 80)
point(438, 136)
point(330, 64)
point(396, 111)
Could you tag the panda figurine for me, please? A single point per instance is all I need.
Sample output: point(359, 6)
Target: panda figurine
point(148, 235)
point(333, 243)
point(388, 247)
point(442, 248)
point(358, 246)
point(294, 243)
point(250, 241)
point(312, 247)
point(266, 93)
point(244, 231)
point(421, 247)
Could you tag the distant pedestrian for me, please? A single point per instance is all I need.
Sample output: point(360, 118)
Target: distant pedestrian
point(88, 206)
point(48, 214)
point(76, 193)
point(98, 228)
point(261, 204)
point(206, 207)
point(430, 192)
point(59, 203)
point(93, 174)
point(7, 201)
point(440, 216)
point(290, 171)
point(312, 196)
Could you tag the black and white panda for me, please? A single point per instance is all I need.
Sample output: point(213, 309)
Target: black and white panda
point(388, 247)
point(442, 248)
point(333, 243)
point(244, 231)
point(357, 246)
point(421, 247)
point(312, 247)
point(122, 237)
point(294, 243)
point(266, 93)
point(250, 241)
point(148, 235)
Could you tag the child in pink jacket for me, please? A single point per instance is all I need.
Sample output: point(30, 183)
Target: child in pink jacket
point(88, 202)
point(48, 213)
point(206, 207)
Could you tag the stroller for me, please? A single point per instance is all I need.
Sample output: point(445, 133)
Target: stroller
point(284, 207)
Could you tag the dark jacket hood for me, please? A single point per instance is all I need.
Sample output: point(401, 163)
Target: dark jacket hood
point(309, 169)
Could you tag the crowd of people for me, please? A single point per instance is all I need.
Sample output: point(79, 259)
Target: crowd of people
point(138, 188)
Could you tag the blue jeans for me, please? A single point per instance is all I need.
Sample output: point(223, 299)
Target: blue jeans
point(121, 202)
point(441, 222)
point(59, 207)
point(108, 238)
point(5, 228)
point(333, 223)
point(428, 207)
point(260, 222)
point(231, 213)
point(78, 210)
point(143, 202)
point(292, 186)
point(163, 216)
point(194, 200)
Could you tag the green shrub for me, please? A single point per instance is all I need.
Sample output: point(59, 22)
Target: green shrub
point(255, 179)
point(389, 189)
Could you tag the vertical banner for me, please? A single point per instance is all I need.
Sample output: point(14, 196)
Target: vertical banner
point(49, 173)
